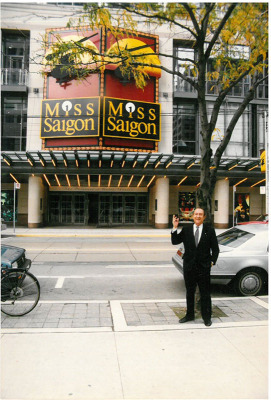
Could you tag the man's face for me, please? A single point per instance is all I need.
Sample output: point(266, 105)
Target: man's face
point(198, 216)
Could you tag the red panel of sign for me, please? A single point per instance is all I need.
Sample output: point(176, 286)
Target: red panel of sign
point(89, 87)
point(81, 142)
point(115, 88)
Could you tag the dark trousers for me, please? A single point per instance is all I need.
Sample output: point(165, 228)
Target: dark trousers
point(202, 278)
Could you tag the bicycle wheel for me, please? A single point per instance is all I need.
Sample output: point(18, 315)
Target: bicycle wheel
point(20, 292)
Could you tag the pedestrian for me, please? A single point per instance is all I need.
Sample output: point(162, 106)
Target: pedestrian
point(200, 254)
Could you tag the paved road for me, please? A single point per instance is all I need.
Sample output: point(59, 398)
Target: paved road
point(121, 248)
point(108, 281)
point(116, 268)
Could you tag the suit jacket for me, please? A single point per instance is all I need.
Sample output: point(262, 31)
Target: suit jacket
point(206, 252)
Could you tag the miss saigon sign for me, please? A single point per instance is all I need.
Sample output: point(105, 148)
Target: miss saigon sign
point(104, 110)
point(119, 118)
point(70, 117)
point(131, 119)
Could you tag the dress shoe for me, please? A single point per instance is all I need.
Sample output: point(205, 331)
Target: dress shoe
point(207, 322)
point(186, 319)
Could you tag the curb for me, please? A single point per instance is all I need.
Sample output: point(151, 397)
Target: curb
point(92, 236)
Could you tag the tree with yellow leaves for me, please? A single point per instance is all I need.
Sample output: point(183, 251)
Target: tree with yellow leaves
point(233, 35)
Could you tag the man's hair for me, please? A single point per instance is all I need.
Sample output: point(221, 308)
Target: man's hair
point(201, 208)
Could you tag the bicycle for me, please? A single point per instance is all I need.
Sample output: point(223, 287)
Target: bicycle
point(20, 292)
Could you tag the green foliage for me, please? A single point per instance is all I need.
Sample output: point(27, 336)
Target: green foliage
point(240, 46)
point(243, 44)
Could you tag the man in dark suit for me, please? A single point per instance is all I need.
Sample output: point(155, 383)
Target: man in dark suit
point(200, 254)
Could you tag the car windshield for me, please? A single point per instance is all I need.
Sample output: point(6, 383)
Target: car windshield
point(234, 237)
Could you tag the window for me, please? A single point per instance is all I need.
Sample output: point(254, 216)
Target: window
point(239, 90)
point(259, 128)
point(54, 208)
point(14, 121)
point(15, 58)
point(184, 128)
point(129, 205)
point(262, 90)
point(7, 205)
point(239, 145)
point(15, 49)
point(142, 209)
point(234, 237)
point(183, 65)
point(185, 55)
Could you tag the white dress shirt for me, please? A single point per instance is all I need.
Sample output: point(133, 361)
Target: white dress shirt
point(200, 230)
point(194, 230)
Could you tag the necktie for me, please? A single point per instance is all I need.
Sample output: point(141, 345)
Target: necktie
point(197, 236)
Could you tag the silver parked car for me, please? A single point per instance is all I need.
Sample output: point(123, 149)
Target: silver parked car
point(242, 261)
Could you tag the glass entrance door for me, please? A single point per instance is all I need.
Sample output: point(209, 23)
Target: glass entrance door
point(142, 209)
point(104, 213)
point(54, 209)
point(117, 209)
point(123, 209)
point(67, 209)
point(79, 208)
point(130, 209)
point(108, 209)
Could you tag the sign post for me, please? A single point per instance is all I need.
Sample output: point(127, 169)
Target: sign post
point(16, 186)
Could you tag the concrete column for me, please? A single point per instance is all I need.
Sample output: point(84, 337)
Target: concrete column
point(161, 203)
point(221, 204)
point(35, 201)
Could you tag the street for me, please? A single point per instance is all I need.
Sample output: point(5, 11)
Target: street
point(129, 268)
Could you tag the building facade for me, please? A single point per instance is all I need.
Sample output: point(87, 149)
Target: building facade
point(101, 152)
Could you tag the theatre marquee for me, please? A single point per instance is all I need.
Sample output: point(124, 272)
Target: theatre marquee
point(130, 119)
point(78, 117)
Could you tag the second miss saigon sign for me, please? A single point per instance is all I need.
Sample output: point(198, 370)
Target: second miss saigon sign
point(82, 117)
point(131, 119)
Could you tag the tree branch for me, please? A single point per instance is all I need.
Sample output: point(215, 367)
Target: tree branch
point(204, 23)
point(192, 16)
point(169, 71)
point(219, 29)
point(222, 95)
point(160, 17)
point(227, 137)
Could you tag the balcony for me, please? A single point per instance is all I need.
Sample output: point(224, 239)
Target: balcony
point(14, 79)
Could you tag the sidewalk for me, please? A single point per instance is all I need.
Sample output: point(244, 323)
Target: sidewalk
point(89, 232)
point(86, 232)
point(127, 315)
point(136, 350)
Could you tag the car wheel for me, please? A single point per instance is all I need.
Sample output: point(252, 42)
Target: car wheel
point(249, 283)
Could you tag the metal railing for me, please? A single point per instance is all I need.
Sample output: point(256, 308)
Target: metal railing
point(14, 76)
